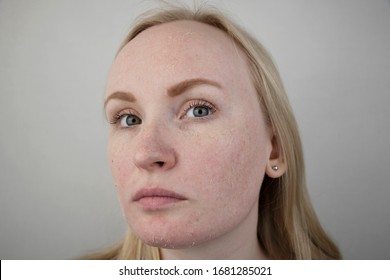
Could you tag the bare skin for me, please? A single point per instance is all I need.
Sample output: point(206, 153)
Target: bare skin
point(188, 144)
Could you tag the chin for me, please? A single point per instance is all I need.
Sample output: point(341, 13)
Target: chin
point(170, 238)
point(169, 241)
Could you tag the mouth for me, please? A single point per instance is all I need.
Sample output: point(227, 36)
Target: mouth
point(157, 198)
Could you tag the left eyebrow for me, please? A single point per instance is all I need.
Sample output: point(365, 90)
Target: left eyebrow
point(181, 87)
point(121, 95)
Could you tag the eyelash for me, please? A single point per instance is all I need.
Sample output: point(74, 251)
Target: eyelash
point(118, 116)
point(199, 103)
point(192, 104)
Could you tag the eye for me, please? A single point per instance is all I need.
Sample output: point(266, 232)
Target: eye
point(125, 119)
point(199, 109)
point(129, 120)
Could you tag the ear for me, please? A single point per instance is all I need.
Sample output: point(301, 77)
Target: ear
point(276, 165)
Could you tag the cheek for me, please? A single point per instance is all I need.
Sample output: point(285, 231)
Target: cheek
point(223, 172)
point(229, 166)
point(119, 156)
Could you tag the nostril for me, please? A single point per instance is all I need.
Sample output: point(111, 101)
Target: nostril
point(159, 163)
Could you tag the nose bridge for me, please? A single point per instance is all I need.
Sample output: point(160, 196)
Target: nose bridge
point(154, 131)
point(154, 149)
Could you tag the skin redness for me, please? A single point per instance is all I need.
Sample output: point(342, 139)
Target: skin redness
point(188, 144)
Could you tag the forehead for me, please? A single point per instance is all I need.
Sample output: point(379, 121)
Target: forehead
point(179, 35)
point(187, 48)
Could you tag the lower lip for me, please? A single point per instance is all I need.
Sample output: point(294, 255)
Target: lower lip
point(158, 202)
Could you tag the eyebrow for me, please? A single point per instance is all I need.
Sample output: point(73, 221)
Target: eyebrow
point(188, 84)
point(173, 91)
point(121, 95)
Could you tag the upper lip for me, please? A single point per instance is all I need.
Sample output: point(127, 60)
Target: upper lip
point(151, 192)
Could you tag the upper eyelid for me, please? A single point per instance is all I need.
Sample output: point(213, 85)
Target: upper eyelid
point(199, 102)
point(114, 116)
point(195, 103)
point(122, 109)
point(188, 104)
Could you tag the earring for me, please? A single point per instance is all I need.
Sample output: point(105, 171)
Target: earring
point(275, 167)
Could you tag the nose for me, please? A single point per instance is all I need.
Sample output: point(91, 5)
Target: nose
point(154, 151)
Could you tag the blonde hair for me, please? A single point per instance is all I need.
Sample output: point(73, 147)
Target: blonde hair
point(287, 225)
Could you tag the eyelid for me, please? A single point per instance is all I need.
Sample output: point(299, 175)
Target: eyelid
point(116, 117)
point(195, 103)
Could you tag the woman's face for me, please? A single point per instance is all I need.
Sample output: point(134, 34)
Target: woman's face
point(188, 145)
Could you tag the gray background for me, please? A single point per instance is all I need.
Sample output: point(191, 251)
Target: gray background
point(57, 200)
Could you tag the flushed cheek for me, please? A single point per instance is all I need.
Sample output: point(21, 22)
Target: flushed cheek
point(226, 170)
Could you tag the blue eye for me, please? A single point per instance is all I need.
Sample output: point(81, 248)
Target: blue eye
point(129, 120)
point(198, 111)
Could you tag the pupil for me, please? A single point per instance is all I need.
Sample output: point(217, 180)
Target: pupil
point(131, 120)
point(200, 111)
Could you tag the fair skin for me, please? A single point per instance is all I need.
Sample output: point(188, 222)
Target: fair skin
point(188, 144)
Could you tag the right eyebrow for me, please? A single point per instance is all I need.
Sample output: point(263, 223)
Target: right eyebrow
point(121, 95)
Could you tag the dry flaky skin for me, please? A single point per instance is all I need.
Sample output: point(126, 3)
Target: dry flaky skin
point(287, 225)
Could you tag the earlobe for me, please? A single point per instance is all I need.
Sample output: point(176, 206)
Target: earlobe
point(276, 166)
point(275, 170)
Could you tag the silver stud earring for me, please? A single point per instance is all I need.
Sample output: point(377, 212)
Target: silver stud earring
point(275, 167)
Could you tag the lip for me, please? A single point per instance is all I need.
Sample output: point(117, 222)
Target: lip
point(157, 198)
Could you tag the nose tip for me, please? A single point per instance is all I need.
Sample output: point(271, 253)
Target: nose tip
point(154, 160)
point(153, 153)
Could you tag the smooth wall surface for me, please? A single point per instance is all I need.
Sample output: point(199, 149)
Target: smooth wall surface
point(57, 200)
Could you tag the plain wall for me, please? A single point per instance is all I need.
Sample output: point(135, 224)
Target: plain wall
point(57, 199)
